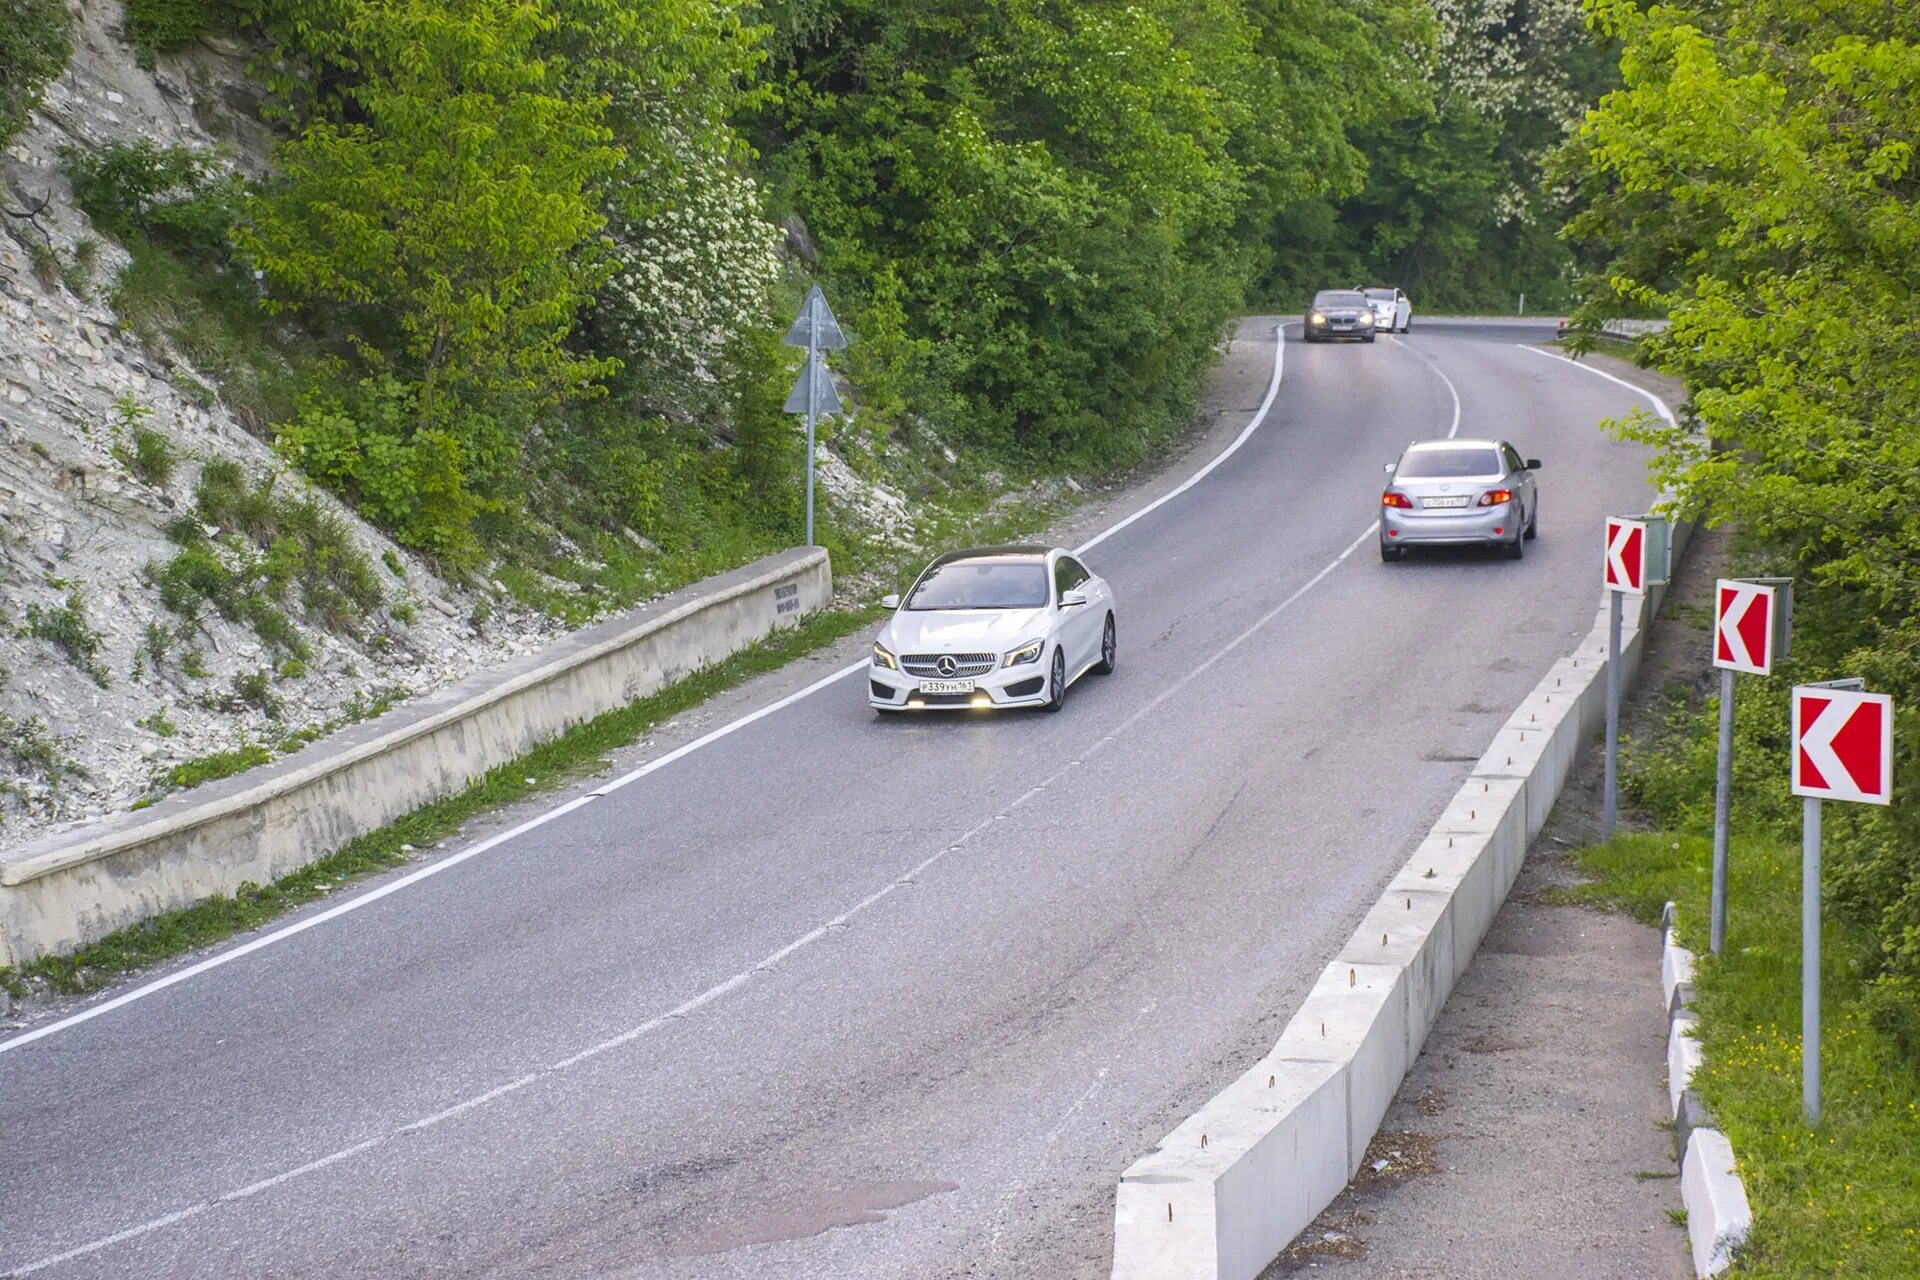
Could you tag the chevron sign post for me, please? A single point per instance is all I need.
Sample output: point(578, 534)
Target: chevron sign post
point(1750, 630)
point(1637, 555)
point(1842, 750)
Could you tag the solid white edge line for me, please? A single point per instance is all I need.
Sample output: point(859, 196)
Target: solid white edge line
point(371, 896)
point(1260, 416)
point(1658, 403)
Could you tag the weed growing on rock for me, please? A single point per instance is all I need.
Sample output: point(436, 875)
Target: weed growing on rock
point(66, 628)
point(158, 723)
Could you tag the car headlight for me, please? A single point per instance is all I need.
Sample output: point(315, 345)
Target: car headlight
point(1366, 317)
point(1028, 652)
point(882, 658)
point(1316, 318)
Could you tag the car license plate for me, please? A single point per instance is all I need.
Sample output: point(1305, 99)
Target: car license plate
point(1443, 502)
point(946, 686)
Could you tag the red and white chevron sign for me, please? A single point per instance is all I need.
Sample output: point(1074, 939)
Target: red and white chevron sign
point(1743, 626)
point(1842, 745)
point(1626, 555)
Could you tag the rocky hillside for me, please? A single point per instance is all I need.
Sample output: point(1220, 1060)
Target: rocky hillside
point(174, 599)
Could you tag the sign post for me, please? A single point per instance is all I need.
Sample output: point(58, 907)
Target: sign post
point(813, 392)
point(1637, 550)
point(1751, 621)
point(1842, 750)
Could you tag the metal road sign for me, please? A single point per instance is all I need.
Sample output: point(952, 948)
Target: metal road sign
point(1749, 624)
point(1842, 745)
point(815, 326)
point(1626, 555)
point(813, 390)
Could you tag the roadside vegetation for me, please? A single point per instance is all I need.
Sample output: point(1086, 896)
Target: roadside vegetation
point(1753, 181)
point(1036, 225)
point(1839, 1200)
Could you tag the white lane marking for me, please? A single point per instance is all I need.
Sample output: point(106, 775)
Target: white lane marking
point(1434, 365)
point(1273, 389)
point(1658, 403)
point(706, 740)
point(727, 985)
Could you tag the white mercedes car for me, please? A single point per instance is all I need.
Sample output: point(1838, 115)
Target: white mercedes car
point(993, 627)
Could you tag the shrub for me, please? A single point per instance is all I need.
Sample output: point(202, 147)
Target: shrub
point(66, 627)
point(161, 26)
point(35, 43)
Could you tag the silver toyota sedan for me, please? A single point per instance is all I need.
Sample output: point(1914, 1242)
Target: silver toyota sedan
point(1459, 493)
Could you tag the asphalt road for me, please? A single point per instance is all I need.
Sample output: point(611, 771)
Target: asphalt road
point(838, 996)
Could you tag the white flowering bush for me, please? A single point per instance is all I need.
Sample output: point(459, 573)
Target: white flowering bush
point(695, 261)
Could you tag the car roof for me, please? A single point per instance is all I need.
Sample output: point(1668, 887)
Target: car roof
point(1011, 551)
point(1428, 446)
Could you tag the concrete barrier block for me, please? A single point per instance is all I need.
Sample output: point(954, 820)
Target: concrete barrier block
point(1356, 1015)
point(1718, 1217)
point(1225, 1192)
point(66, 890)
point(1683, 1058)
point(1460, 867)
point(1676, 966)
point(1410, 928)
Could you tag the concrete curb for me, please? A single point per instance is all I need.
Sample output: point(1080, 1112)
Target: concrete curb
point(1223, 1194)
point(67, 890)
point(1718, 1217)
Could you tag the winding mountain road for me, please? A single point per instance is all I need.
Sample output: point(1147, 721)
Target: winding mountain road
point(842, 996)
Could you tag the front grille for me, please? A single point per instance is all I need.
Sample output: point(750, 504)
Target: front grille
point(881, 691)
point(944, 699)
point(927, 665)
point(1025, 688)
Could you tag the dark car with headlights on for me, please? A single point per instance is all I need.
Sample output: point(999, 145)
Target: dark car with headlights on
point(1340, 313)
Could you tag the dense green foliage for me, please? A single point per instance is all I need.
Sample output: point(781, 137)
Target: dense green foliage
point(511, 286)
point(34, 48)
point(1457, 203)
point(1755, 179)
point(1068, 200)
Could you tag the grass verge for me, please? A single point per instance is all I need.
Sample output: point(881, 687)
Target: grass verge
point(578, 752)
point(1839, 1200)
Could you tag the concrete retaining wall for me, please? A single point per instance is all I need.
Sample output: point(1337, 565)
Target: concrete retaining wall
point(1231, 1187)
point(61, 893)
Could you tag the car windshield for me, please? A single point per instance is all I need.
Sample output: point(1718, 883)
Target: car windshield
point(1338, 298)
point(982, 584)
point(1440, 464)
point(1382, 295)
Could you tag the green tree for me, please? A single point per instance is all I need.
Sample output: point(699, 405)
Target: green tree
point(1754, 178)
point(444, 201)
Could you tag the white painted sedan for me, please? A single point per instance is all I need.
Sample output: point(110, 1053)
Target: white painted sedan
point(1392, 312)
point(993, 627)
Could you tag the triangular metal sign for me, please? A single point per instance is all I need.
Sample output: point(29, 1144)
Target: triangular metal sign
point(814, 384)
point(816, 322)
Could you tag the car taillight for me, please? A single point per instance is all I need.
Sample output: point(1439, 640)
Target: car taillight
point(1494, 497)
point(1392, 499)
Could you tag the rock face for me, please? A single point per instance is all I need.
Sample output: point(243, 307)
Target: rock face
point(95, 708)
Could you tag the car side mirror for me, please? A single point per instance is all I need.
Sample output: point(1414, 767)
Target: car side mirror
point(1533, 464)
point(1388, 467)
point(1071, 599)
point(890, 602)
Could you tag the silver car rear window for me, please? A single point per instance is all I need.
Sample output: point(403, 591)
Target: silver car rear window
point(1441, 464)
point(982, 584)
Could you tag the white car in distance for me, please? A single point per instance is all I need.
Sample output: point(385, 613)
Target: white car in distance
point(1392, 313)
point(993, 627)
